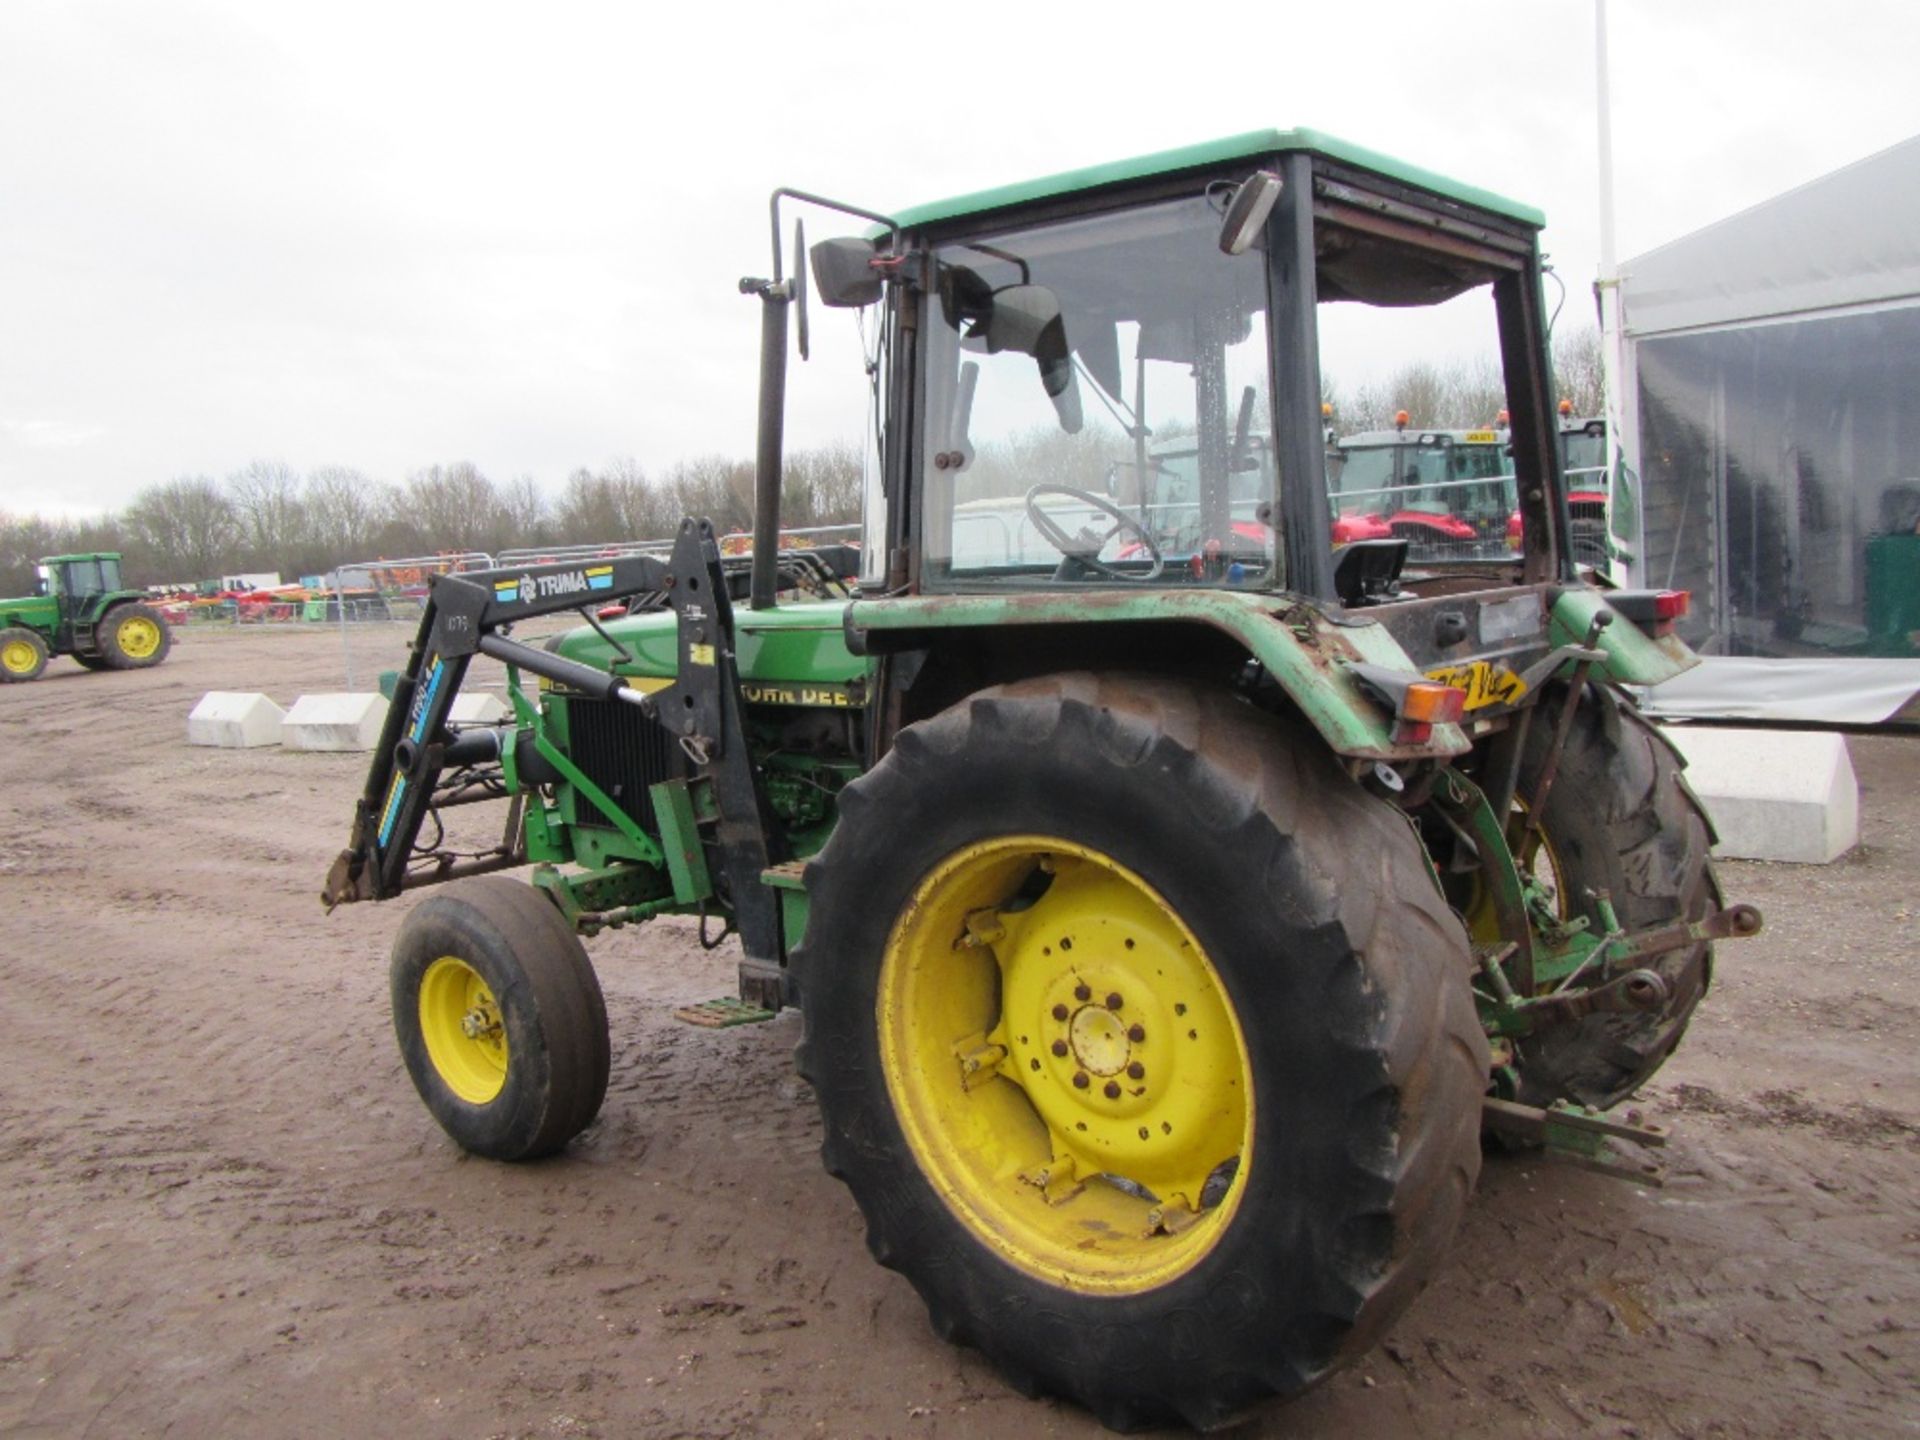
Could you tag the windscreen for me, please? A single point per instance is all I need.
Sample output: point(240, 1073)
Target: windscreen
point(1097, 406)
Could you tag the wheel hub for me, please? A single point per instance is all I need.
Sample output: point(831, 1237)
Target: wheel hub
point(461, 1027)
point(1098, 1040)
point(479, 1023)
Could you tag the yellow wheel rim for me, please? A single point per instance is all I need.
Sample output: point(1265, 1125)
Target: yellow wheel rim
point(1537, 860)
point(465, 1036)
point(17, 657)
point(139, 637)
point(1068, 1070)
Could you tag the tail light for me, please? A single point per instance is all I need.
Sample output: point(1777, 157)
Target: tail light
point(1417, 704)
point(1425, 704)
point(1654, 611)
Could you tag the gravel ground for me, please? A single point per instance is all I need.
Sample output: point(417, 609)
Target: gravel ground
point(224, 1212)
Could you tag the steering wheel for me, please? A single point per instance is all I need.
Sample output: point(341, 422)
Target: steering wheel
point(1085, 547)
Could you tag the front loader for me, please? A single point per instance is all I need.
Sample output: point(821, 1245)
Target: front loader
point(1173, 901)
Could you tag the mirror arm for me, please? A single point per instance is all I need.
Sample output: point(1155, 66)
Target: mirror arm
point(807, 198)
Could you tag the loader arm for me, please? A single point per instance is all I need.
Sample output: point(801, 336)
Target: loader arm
point(470, 614)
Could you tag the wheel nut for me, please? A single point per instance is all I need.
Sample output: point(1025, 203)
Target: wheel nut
point(1059, 1047)
point(1060, 1012)
point(1136, 1071)
point(1113, 1001)
point(1136, 1033)
point(1112, 1090)
point(1080, 1081)
point(1082, 993)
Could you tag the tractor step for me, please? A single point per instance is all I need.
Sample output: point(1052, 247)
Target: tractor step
point(721, 1014)
point(789, 875)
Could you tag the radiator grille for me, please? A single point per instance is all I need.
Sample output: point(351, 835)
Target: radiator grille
point(623, 752)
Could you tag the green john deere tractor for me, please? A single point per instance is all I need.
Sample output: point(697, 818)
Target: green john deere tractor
point(81, 611)
point(1171, 906)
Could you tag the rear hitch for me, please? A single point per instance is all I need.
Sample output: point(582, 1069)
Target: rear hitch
point(1581, 1135)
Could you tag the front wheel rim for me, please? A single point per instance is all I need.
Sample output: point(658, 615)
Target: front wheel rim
point(464, 1031)
point(1066, 1065)
point(17, 657)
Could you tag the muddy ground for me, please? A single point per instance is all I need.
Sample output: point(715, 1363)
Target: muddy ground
point(224, 1212)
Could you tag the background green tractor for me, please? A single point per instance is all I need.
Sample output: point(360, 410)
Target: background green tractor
point(81, 611)
point(1170, 905)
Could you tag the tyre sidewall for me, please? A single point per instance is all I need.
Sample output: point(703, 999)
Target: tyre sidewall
point(1620, 822)
point(511, 1125)
point(1311, 1226)
point(107, 637)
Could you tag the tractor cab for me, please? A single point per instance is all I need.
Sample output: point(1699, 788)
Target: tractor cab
point(77, 584)
point(79, 579)
point(1596, 498)
point(1448, 493)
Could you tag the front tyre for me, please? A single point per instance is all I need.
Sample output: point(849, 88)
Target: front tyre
point(500, 1018)
point(1144, 1040)
point(23, 654)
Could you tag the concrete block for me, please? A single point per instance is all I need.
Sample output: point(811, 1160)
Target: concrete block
point(477, 707)
point(1774, 794)
point(334, 722)
point(234, 720)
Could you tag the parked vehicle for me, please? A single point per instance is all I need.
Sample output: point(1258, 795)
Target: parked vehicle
point(82, 610)
point(1169, 909)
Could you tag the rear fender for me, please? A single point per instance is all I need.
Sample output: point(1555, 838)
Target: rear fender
point(1307, 653)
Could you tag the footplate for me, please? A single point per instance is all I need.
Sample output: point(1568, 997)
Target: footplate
point(722, 1014)
point(1580, 1134)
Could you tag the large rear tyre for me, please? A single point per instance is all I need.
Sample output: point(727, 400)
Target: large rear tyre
point(133, 637)
point(500, 1019)
point(1144, 1040)
point(23, 654)
point(1619, 820)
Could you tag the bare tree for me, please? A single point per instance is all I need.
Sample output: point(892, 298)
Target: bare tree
point(524, 507)
point(187, 526)
point(716, 488)
point(1579, 370)
point(271, 517)
point(453, 507)
point(822, 486)
point(343, 514)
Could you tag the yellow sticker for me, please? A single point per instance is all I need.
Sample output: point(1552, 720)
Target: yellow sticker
point(700, 654)
point(1486, 683)
point(1482, 437)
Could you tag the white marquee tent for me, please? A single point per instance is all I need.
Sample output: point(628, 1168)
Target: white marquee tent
point(1772, 411)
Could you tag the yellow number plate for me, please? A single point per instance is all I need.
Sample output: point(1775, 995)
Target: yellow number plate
point(1482, 437)
point(1485, 682)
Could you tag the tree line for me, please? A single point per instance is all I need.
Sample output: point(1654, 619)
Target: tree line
point(269, 517)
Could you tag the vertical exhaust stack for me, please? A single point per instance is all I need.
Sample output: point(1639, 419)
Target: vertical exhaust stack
point(775, 295)
point(769, 461)
point(853, 266)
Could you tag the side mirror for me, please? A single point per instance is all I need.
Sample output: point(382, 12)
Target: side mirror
point(843, 273)
point(1253, 201)
point(1027, 320)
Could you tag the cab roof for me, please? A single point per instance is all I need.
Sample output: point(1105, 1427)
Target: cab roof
point(1246, 146)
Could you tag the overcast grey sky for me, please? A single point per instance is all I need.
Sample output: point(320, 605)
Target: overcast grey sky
point(389, 235)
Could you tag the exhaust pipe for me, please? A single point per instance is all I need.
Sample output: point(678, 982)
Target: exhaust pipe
point(775, 296)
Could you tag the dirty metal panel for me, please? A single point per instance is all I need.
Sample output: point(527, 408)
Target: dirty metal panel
point(1304, 650)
